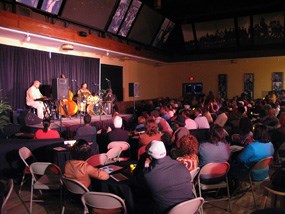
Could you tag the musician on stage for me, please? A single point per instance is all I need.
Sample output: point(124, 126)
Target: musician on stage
point(32, 94)
point(83, 93)
point(110, 97)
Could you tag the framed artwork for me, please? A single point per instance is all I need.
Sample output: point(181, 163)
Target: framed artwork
point(248, 84)
point(222, 85)
point(277, 81)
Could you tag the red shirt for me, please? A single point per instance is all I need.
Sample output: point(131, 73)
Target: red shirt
point(40, 134)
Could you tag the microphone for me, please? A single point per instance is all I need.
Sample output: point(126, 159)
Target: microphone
point(107, 79)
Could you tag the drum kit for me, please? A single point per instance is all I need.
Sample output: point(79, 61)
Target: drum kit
point(84, 104)
point(94, 105)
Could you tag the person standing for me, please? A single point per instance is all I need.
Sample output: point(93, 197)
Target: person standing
point(33, 93)
point(110, 97)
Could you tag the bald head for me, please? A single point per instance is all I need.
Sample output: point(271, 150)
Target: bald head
point(36, 83)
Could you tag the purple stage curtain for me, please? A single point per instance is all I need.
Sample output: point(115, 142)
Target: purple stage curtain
point(19, 67)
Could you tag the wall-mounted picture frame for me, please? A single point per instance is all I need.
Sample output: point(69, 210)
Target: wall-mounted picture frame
point(277, 81)
point(248, 85)
point(223, 85)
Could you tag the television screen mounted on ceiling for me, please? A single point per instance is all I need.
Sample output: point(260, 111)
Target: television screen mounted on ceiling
point(51, 6)
point(30, 3)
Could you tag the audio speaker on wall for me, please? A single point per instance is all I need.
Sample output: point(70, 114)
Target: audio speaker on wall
point(60, 88)
point(32, 119)
point(134, 89)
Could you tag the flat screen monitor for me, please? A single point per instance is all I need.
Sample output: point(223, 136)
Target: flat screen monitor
point(30, 3)
point(198, 88)
point(130, 18)
point(51, 6)
point(92, 13)
point(163, 34)
point(146, 26)
point(119, 16)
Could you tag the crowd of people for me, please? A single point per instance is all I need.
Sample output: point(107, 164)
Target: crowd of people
point(175, 136)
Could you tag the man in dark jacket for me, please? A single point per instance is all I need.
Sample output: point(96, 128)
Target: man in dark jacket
point(168, 180)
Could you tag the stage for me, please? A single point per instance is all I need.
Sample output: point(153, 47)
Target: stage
point(70, 125)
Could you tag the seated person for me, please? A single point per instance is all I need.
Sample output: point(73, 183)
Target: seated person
point(180, 130)
point(46, 132)
point(244, 135)
point(278, 135)
point(201, 121)
point(190, 124)
point(162, 123)
point(88, 133)
point(79, 169)
point(150, 134)
point(187, 153)
point(140, 127)
point(217, 150)
point(168, 181)
point(117, 133)
point(251, 154)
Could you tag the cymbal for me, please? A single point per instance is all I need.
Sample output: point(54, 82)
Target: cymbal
point(43, 99)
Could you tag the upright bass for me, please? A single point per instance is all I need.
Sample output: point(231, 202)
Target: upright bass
point(68, 107)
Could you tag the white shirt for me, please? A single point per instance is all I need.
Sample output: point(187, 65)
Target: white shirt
point(202, 122)
point(190, 124)
point(221, 119)
point(32, 94)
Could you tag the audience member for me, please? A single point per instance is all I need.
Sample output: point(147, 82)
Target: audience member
point(251, 154)
point(151, 133)
point(140, 127)
point(215, 151)
point(163, 125)
point(86, 132)
point(189, 123)
point(201, 121)
point(46, 132)
point(168, 180)
point(164, 113)
point(117, 133)
point(187, 153)
point(222, 117)
point(278, 135)
point(270, 120)
point(79, 169)
point(180, 130)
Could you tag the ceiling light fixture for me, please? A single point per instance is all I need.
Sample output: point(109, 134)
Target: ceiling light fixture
point(67, 47)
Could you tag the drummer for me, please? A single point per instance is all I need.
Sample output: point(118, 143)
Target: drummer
point(83, 94)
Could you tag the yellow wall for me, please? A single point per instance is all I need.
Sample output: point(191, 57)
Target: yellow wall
point(166, 79)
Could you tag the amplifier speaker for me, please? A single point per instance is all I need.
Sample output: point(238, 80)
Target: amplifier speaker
point(32, 119)
point(134, 89)
point(60, 88)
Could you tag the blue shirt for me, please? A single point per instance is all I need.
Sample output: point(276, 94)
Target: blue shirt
point(253, 153)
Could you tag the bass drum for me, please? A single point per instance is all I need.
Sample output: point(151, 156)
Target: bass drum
point(93, 109)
